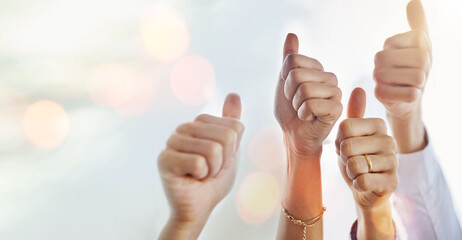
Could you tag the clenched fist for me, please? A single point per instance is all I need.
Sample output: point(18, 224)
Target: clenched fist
point(371, 185)
point(402, 67)
point(198, 168)
point(401, 72)
point(307, 101)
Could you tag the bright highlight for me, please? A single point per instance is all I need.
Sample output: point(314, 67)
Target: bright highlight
point(257, 197)
point(125, 89)
point(193, 80)
point(164, 32)
point(46, 124)
point(266, 149)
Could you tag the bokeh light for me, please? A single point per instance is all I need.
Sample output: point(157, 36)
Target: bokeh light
point(266, 149)
point(193, 80)
point(125, 89)
point(46, 124)
point(257, 197)
point(46, 50)
point(164, 32)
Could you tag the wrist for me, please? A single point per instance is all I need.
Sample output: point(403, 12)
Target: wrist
point(312, 152)
point(408, 131)
point(375, 222)
point(183, 230)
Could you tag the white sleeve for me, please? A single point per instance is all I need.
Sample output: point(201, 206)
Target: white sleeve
point(422, 199)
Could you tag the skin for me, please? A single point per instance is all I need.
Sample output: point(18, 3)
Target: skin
point(198, 168)
point(307, 105)
point(401, 73)
point(371, 191)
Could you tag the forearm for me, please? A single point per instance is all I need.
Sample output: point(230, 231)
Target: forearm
point(376, 223)
point(302, 196)
point(176, 230)
point(409, 131)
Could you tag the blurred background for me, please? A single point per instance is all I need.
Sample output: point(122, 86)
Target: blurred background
point(91, 90)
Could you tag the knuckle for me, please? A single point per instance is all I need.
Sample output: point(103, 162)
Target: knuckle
point(294, 75)
point(337, 144)
point(238, 127)
point(379, 57)
point(378, 75)
point(361, 183)
point(307, 90)
point(230, 136)
point(161, 159)
point(379, 94)
point(198, 163)
point(318, 64)
point(184, 127)
point(292, 59)
point(391, 183)
point(337, 111)
point(388, 41)
point(422, 57)
point(305, 112)
point(311, 104)
point(346, 127)
point(390, 143)
point(338, 92)
point(202, 117)
point(172, 140)
point(380, 124)
point(331, 77)
point(393, 159)
point(412, 95)
point(214, 149)
point(353, 165)
point(420, 77)
point(346, 147)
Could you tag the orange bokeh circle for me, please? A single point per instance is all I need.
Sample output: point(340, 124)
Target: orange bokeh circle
point(46, 124)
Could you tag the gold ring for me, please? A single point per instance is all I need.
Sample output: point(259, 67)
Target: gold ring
point(369, 163)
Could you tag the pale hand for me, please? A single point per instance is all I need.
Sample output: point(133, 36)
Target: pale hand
point(402, 67)
point(358, 136)
point(373, 185)
point(198, 167)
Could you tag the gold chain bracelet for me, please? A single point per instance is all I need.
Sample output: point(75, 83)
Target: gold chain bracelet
point(305, 224)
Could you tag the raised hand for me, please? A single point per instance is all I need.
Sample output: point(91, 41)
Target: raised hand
point(307, 101)
point(372, 185)
point(198, 168)
point(401, 73)
point(307, 106)
point(402, 68)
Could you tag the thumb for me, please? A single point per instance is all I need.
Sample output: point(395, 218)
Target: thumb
point(290, 45)
point(357, 104)
point(416, 16)
point(232, 107)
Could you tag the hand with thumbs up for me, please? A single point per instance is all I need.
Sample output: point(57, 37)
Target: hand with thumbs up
point(307, 106)
point(372, 185)
point(401, 72)
point(307, 101)
point(198, 168)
